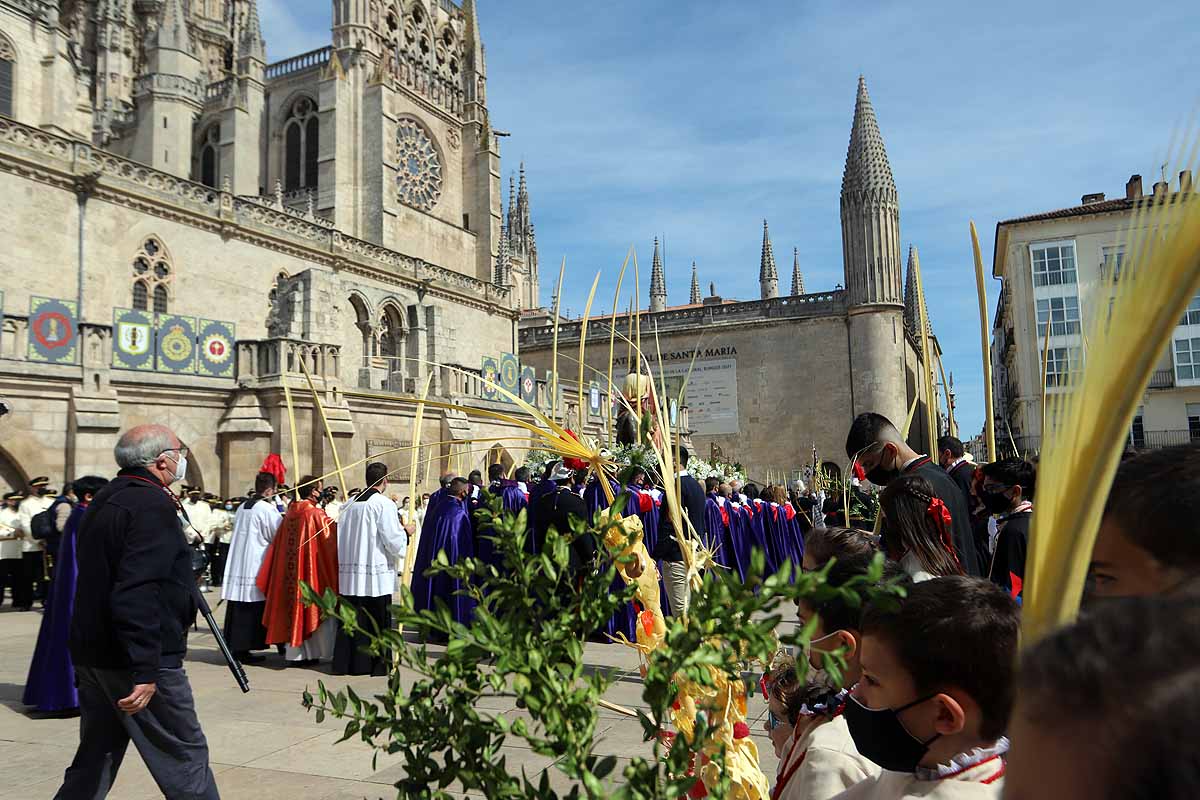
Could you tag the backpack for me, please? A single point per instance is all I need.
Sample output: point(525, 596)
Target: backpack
point(42, 525)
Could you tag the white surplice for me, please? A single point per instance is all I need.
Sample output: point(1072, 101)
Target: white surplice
point(253, 530)
point(371, 547)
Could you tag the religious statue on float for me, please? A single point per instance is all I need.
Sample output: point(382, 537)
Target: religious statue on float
point(637, 420)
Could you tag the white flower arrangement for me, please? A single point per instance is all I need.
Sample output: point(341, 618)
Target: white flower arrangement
point(536, 460)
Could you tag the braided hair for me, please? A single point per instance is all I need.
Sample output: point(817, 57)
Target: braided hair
point(916, 521)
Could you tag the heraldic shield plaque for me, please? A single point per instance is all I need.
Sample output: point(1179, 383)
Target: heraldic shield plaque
point(53, 334)
point(133, 339)
point(510, 375)
point(176, 348)
point(529, 385)
point(215, 357)
point(490, 370)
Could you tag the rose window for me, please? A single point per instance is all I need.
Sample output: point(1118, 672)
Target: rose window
point(419, 167)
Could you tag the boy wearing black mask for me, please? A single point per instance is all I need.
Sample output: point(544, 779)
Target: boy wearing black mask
point(936, 692)
point(1007, 491)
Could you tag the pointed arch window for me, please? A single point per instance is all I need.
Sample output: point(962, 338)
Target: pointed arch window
point(301, 140)
point(153, 275)
point(210, 156)
point(141, 297)
point(8, 60)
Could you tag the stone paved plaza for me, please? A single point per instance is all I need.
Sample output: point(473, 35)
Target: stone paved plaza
point(263, 744)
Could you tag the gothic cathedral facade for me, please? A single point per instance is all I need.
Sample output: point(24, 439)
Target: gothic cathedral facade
point(166, 186)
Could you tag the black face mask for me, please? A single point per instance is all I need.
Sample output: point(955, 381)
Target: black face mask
point(995, 502)
point(881, 475)
point(879, 735)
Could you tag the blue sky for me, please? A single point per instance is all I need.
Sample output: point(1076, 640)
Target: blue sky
point(694, 121)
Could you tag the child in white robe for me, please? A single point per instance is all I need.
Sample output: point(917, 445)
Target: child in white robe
point(936, 691)
point(797, 709)
point(831, 763)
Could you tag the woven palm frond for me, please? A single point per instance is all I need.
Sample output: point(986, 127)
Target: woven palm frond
point(1089, 421)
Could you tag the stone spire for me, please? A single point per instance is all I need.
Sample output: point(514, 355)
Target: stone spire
point(870, 213)
point(502, 275)
point(523, 198)
point(912, 311)
point(252, 44)
point(768, 277)
point(511, 224)
point(797, 278)
point(658, 282)
point(474, 42)
point(695, 298)
point(172, 33)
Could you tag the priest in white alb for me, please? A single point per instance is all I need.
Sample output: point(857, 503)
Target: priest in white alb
point(254, 526)
point(371, 548)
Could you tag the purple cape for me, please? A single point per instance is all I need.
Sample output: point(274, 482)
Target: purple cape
point(783, 537)
point(446, 528)
point(51, 682)
point(624, 620)
point(737, 542)
point(753, 535)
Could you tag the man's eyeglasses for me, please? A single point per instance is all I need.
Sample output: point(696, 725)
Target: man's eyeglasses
point(182, 451)
point(773, 721)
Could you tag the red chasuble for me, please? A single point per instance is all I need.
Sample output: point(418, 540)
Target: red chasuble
point(304, 549)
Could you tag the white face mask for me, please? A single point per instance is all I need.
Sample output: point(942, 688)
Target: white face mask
point(180, 468)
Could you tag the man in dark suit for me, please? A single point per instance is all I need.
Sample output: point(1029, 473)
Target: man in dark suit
point(952, 457)
point(555, 509)
point(884, 455)
point(134, 604)
point(691, 498)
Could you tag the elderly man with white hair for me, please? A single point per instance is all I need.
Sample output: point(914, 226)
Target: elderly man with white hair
point(134, 605)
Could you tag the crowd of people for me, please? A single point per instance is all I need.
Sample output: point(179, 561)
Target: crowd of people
point(932, 701)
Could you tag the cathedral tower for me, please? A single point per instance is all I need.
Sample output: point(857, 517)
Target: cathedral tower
point(658, 282)
point(871, 260)
point(695, 298)
point(768, 276)
point(169, 101)
point(521, 244)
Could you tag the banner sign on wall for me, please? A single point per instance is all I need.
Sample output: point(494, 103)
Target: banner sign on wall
point(594, 398)
point(133, 339)
point(529, 385)
point(510, 374)
point(215, 357)
point(176, 346)
point(491, 374)
point(53, 335)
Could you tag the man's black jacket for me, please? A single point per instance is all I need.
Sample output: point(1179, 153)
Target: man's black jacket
point(133, 597)
point(692, 502)
point(554, 510)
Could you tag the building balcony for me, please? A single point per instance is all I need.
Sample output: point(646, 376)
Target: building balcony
point(1156, 440)
point(1162, 379)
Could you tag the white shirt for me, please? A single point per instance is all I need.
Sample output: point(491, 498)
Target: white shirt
point(333, 508)
point(912, 565)
point(220, 526)
point(30, 507)
point(253, 530)
point(10, 548)
point(371, 547)
point(199, 515)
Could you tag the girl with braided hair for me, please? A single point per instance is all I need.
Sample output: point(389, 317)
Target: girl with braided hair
point(916, 530)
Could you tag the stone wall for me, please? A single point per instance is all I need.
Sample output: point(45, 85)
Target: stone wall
point(792, 381)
